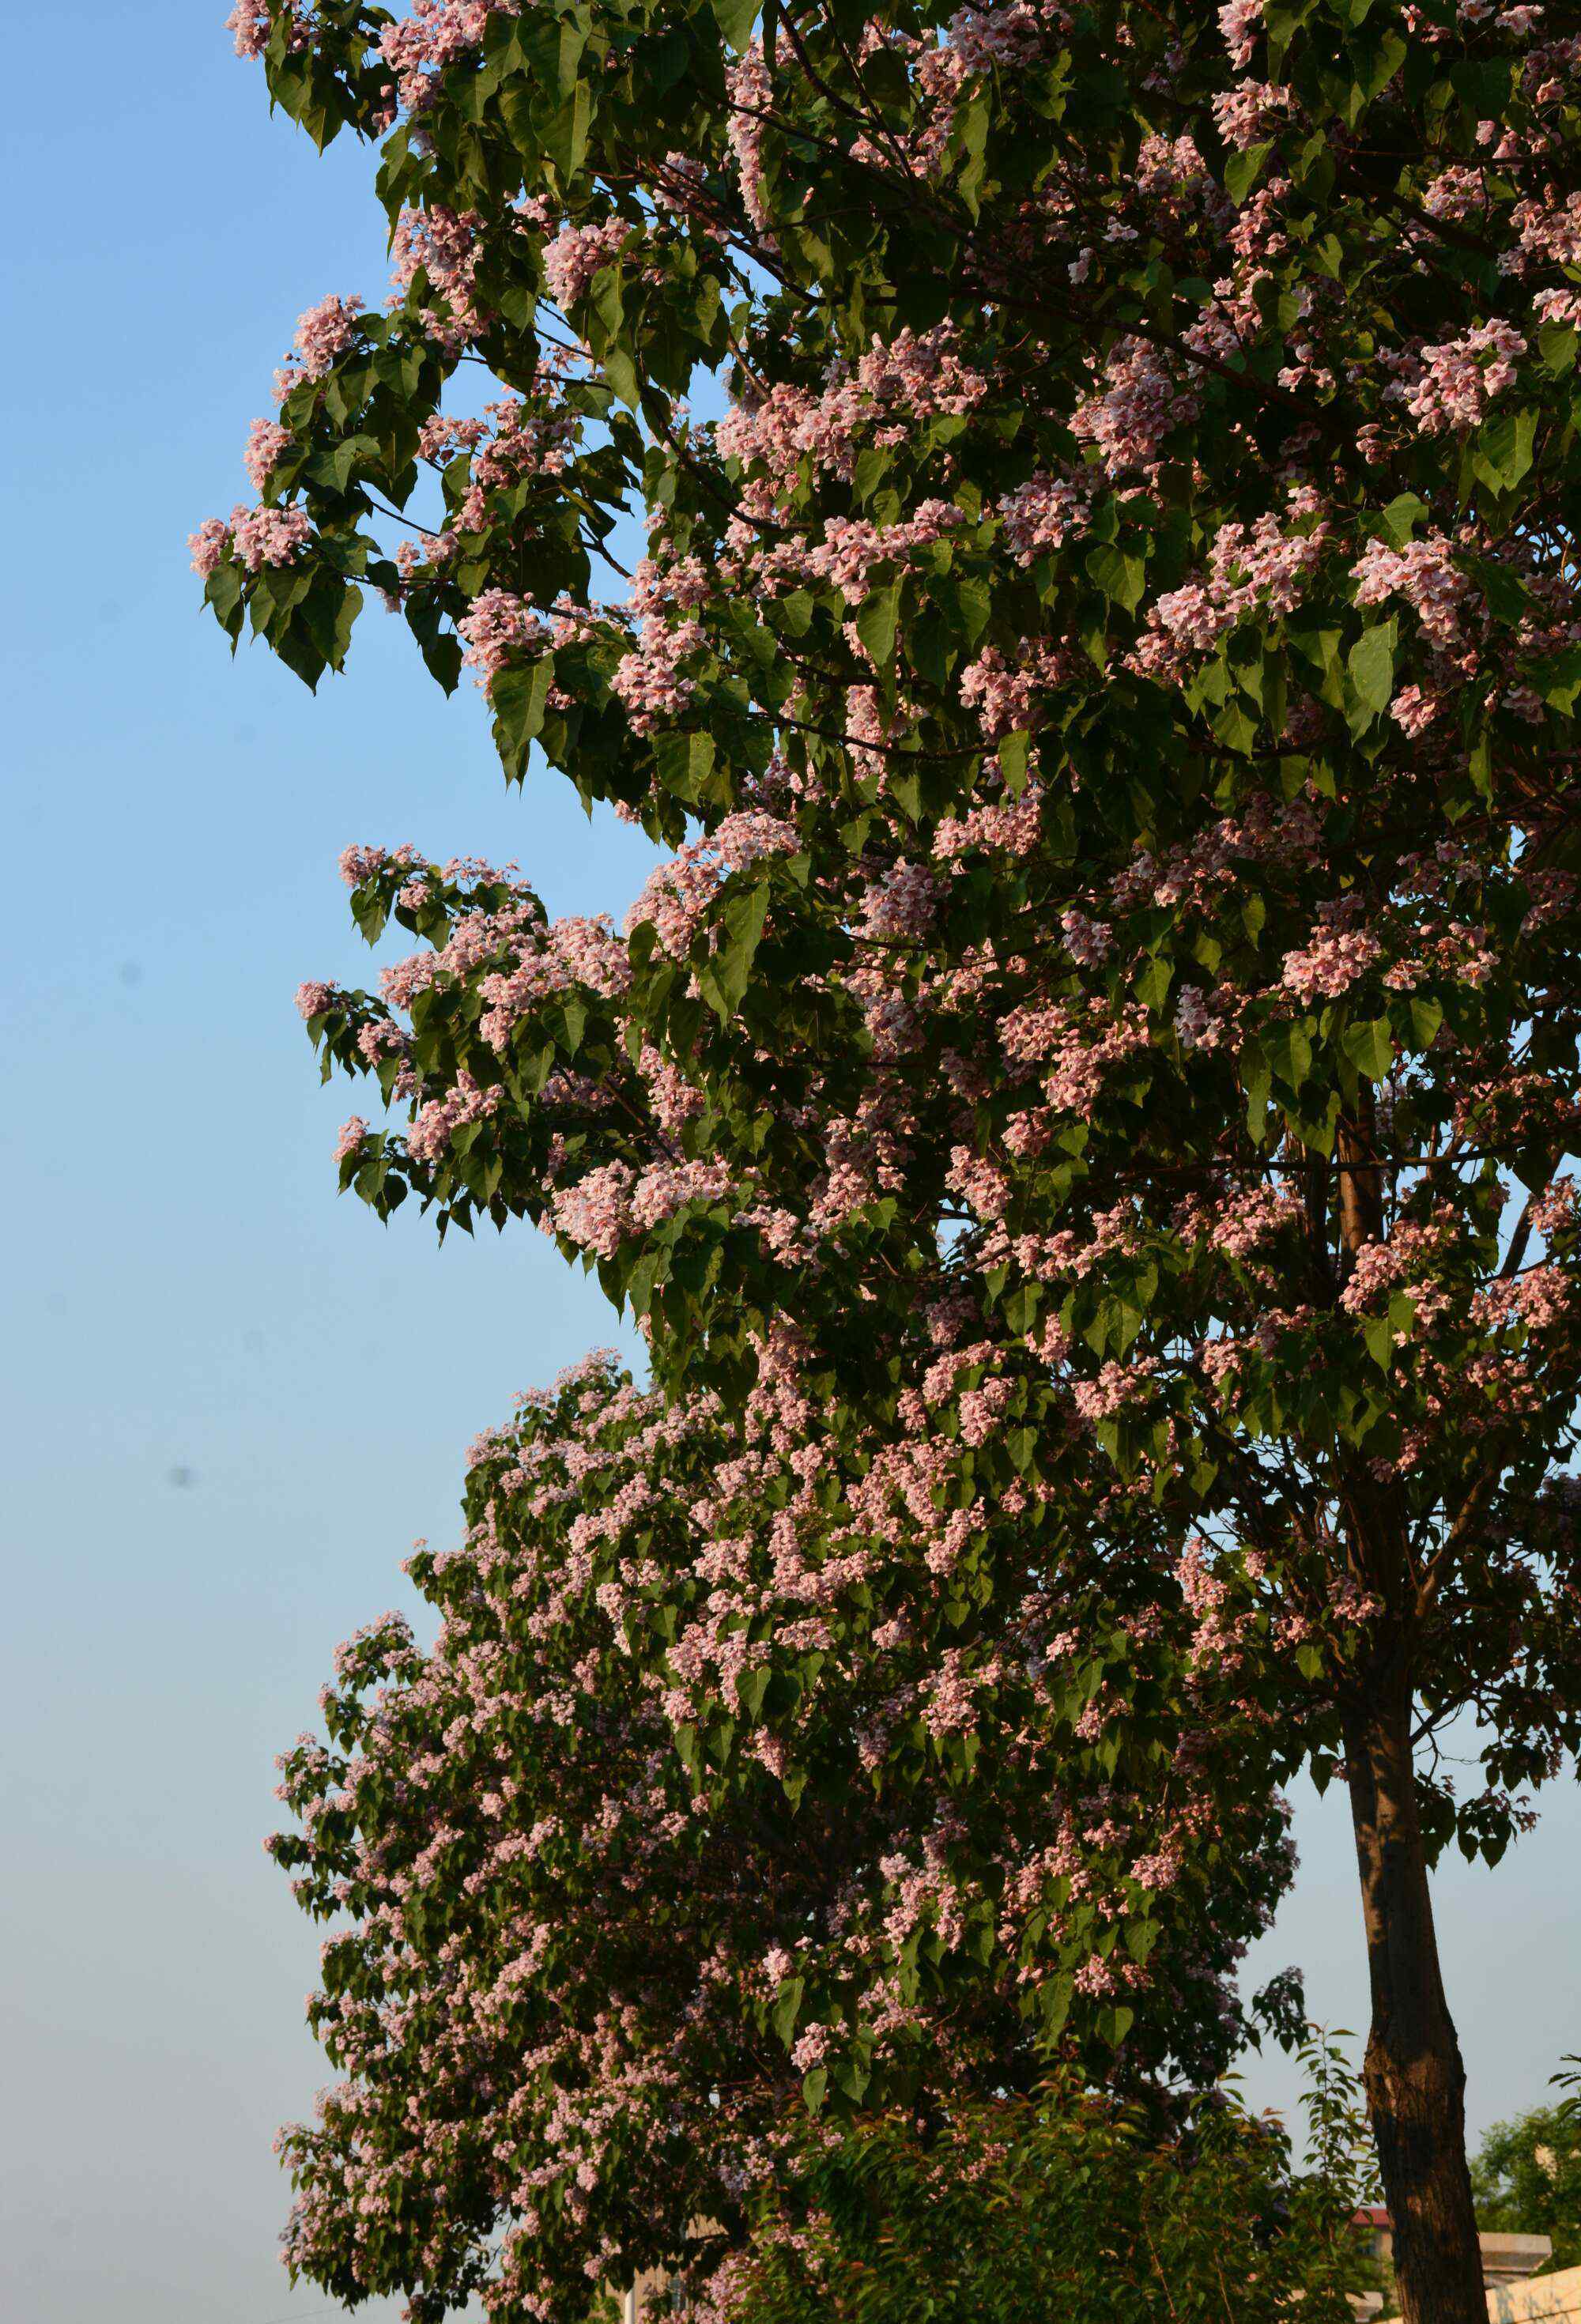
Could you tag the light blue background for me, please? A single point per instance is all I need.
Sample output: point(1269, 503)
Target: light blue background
point(231, 1401)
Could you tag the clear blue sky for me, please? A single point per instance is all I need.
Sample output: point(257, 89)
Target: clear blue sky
point(232, 1400)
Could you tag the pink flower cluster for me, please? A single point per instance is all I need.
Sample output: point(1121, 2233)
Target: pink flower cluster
point(438, 1120)
point(852, 547)
point(895, 382)
point(576, 953)
point(576, 254)
point(676, 896)
point(981, 1184)
point(1458, 380)
point(499, 627)
point(1007, 34)
point(595, 1214)
point(1011, 823)
point(1041, 513)
point(1005, 694)
point(667, 1187)
point(266, 440)
point(1240, 21)
point(1249, 111)
point(1330, 965)
point(256, 537)
point(358, 863)
point(750, 92)
point(649, 679)
point(437, 34)
point(250, 22)
point(1424, 574)
point(442, 244)
point(1257, 567)
point(352, 1132)
point(323, 333)
point(1129, 419)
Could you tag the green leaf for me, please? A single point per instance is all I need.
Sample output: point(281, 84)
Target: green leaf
point(723, 977)
point(813, 2085)
point(1012, 751)
point(788, 2008)
point(1118, 575)
point(1289, 1050)
point(1557, 681)
point(735, 19)
point(684, 762)
point(1423, 1018)
point(565, 136)
point(553, 48)
point(223, 590)
point(1054, 1997)
point(1153, 986)
point(1503, 448)
point(1243, 169)
point(519, 694)
point(1234, 725)
point(1257, 1081)
point(1557, 344)
point(1371, 664)
point(1369, 1046)
point(1509, 599)
point(1406, 509)
point(878, 621)
point(873, 463)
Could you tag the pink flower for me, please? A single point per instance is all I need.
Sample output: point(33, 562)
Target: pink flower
point(596, 1212)
point(1414, 711)
point(1459, 379)
point(649, 679)
point(209, 544)
point(985, 1190)
point(1424, 574)
point(499, 626)
point(1138, 406)
point(322, 334)
point(576, 254)
point(269, 536)
point(443, 243)
point(667, 1187)
point(441, 1117)
point(1041, 512)
point(265, 443)
point(256, 536)
point(249, 21)
point(751, 94)
point(1331, 963)
point(1240, 21)
point(1248, 112)
point(437, 34)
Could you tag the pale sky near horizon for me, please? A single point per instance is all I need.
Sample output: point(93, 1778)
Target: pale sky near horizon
point(232, 1400)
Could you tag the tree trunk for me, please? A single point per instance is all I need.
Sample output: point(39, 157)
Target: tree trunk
point(1415, 2080)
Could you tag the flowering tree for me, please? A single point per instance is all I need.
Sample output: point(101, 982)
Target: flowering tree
point(1107, 677)
point(580, 1987)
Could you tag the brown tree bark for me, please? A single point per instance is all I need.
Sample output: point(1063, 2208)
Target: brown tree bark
point(1414, 2078)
